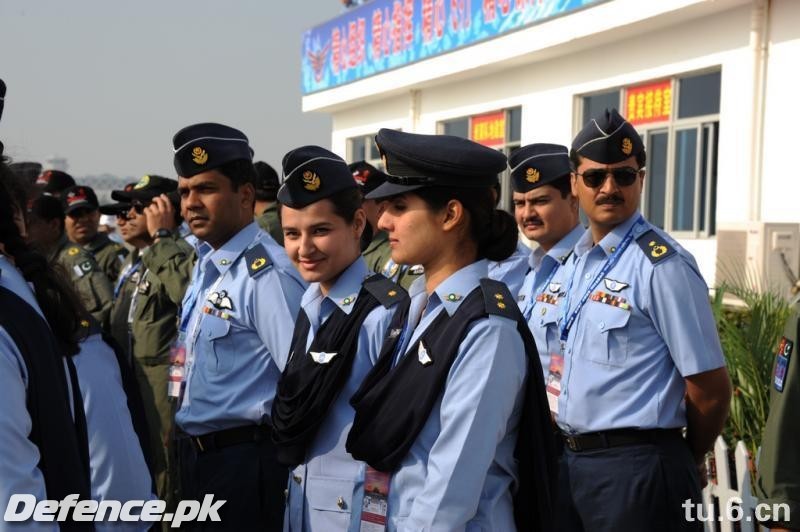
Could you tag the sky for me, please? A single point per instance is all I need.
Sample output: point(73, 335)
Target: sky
point(107, 83)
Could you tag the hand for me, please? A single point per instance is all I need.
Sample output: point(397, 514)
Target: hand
point(160, 214)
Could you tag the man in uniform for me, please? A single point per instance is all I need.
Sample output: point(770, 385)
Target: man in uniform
point(377, 252)
point(54, 182)
point(546, 213)
point(236, 324)
point(266, 206)
point(778, 481)
point(148, 296)
point(642, 359)
point(81, 225)
point(46, 233)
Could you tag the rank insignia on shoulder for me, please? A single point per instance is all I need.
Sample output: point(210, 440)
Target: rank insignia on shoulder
point(422, 355)
point(615, 286)
point(782, 363)
point(322, 357)
point(257, 260)
point(608, 299)
point(73, 251)
point(495, 296)
point(384, 290)
point(655, 246)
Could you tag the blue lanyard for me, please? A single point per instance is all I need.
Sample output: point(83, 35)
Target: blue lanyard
point(609, 264)
point(126, 275)
point(529, 306)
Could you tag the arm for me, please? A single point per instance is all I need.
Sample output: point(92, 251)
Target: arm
point(275, 303)
point(171, 260)
point(708, 397)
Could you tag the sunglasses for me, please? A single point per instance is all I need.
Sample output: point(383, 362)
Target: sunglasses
point(139, 207)
point(595, 178)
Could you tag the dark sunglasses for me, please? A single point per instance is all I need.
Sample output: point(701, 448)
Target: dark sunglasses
point(139, 207)
point(123, 215)
point(595, 178)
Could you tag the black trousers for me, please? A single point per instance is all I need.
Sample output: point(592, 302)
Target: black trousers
point(249, 478)
point(631, 487)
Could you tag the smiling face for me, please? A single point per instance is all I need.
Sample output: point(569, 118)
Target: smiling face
point(321, 243)
point(81, 225)
point(544, 215)
point(214, 211)
point(610, 203)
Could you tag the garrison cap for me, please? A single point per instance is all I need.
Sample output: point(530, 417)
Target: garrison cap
point(55, 181)
point(367, 176)
point(608, 139)
point(266, 177)
point(147, 188)
point(414, 161)
point(202, 147)
point(535, 165)
point(79, 197)
point(312, 173)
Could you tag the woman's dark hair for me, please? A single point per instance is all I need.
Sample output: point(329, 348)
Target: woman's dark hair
point(493, 230)
point(59, 303)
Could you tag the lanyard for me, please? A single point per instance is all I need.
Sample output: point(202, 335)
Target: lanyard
point(130, 270)
point(532, 298)
point(609, 264)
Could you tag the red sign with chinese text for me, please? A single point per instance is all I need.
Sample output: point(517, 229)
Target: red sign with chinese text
point(649, 103)
point(489, 129)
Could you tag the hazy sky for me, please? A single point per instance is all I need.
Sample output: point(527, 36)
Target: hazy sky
point(106, 83)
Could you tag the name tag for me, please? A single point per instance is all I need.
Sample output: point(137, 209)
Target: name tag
point(375, 505)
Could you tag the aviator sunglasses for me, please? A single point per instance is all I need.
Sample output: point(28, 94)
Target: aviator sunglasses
point(595, 177)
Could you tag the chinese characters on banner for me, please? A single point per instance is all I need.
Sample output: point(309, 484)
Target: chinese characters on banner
point(489, 129)
point(385, 34)
point(649, 103)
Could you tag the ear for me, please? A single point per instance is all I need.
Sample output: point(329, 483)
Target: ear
point(574, 184)
point(453, 215)
point(248, 191)
point(359, 223)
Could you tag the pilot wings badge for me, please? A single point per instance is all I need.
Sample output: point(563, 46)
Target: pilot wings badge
point(322, 357)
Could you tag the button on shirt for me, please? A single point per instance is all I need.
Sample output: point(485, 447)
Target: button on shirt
point(459, 472)
point(540, 296)
point(323, 498)
point(237, 354)
point(19, 472)
point(512, 270)
point(649, 326)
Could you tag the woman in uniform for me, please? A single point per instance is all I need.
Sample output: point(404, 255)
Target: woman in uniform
point(447, 421)
point(345, 313)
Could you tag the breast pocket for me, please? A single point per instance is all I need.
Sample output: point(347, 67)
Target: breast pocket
point(606, 334)
point(330, 500)
point(216, 331)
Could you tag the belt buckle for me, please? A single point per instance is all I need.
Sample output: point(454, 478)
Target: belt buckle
point(572, 443)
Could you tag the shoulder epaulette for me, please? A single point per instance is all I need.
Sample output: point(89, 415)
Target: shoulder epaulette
point(498, 299)
point(257, 260)
point(655, 247)
point(384, 290)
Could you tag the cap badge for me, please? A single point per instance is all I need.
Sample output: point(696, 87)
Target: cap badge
point(627, 146)
point(532, 175)
point(311, 181)
point(199, 155)
point(143, 182)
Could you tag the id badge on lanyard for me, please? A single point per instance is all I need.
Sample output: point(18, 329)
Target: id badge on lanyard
point(553, 381)
point(375, 505)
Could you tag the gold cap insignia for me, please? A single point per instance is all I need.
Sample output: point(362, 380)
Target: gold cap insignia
point(627, 146)
point(143, 182)
point(311, 181)
point(258, 263)
point(657, 250)
point(73, 251)
point(532, 175)
point(85, 324)
point(199, 155)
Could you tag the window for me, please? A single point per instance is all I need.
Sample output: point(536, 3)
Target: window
point(681, 183)
point(500, 130)
point(363, 148)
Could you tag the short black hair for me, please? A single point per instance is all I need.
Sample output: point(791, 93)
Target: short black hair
point(240, 172)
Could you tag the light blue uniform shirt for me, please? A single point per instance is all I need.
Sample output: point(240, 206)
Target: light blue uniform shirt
point(512, 270)
point(544, 283)
point(321, 491)
point(237, 354)
point(459, 472)
point(117, 466)
point(19, 471)
point(625, 367)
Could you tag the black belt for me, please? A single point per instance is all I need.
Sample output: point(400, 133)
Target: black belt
point(234, 436)
point(616, 438)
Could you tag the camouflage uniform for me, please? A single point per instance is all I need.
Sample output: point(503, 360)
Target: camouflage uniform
point(89, 280)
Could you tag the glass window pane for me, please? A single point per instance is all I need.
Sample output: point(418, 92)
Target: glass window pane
point(699, 95)
point(458, 127)
point(656, 177)
point(373, 152)
point(708, 177)
point(514, 124)
point(356, 149)
point(685, 179)
point(595, 104)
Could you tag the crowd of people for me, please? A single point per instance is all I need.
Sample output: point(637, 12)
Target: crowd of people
point(360, 348)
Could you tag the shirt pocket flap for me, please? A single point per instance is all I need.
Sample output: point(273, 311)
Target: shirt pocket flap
point(216, 327)
point(330, 494)
point(611, 318)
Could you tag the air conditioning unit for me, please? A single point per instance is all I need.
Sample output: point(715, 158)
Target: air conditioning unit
point(760, 255)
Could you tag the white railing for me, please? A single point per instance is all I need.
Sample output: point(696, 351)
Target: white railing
point(728, 501)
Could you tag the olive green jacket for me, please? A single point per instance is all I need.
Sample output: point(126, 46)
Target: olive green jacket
point(270, 221)
point(108, 254)
point(778, 479)
point(89, 281)
point(379, 259)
